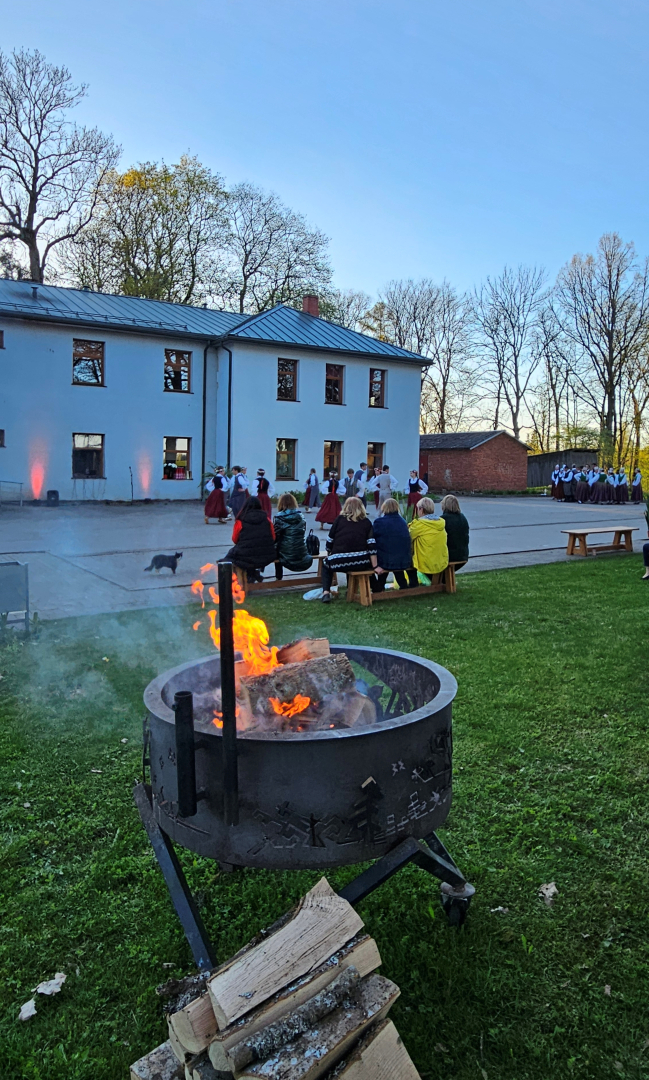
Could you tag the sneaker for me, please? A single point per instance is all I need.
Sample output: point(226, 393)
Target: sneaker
point(326, 598)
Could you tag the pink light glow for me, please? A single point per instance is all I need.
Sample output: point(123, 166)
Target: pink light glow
point(144, 473)
point(37, 462)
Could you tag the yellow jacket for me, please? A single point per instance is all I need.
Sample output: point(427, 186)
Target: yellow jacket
point(429, 547)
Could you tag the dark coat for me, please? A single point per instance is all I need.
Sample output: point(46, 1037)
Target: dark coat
point(290, 528)
point(350, 544)
point(255, 546)
point(393, 545)
point(457, 537)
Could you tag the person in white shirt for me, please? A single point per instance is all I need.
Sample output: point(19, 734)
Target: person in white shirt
point(238, 489)
point(415, 490)
point(636, 487)
point(621, 486)
point(264, 490)
point(331, 506)
point(387, 484)
point(312, 492)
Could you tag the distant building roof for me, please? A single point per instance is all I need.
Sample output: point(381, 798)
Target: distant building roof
point(280, 325)
point(461, 440)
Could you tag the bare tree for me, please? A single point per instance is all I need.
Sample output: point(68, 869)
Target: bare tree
point(347, 307)
point(156, 233)
point(505, 311)
point(271, 255)
point(50, 169)
point(603, 305)
point(549, 395)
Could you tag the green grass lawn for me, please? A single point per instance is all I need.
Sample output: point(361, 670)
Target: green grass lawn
point(551, 767)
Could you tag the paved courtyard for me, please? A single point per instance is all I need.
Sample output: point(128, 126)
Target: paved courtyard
point(89, 558)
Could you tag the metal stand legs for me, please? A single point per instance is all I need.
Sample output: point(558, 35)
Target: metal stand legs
point(429, 854)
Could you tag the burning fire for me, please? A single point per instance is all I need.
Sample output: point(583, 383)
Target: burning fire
point(251, 639)
point(290, 708)
point(198, 589)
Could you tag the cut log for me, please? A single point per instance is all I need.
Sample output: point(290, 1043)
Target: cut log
point(201, 1068)
point(380, 1055)
point(195, 1025)
point(262, 1045)
point(313, 1053)
point(361, 951)
point(160, 1064)
point(181, 1054)
point(313, 679)
point(303, 649)
point(323, 923)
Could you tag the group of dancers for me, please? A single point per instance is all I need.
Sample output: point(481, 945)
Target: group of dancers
point(228, 493)
point(595, 484)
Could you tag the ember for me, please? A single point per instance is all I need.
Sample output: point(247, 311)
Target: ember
point(290, 708)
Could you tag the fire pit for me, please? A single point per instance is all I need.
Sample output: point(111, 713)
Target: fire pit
point(290, 785)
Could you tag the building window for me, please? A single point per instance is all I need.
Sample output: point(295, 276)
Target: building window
point(285, 459)
point(176, 464)
point(334, 384)
point(87, 457)
point(286, 380)
point(177, 365)
point(375, 451)
point(377, 388)
point(2, 437)
point(87, 362)
point(2, 339)
point(333, 457)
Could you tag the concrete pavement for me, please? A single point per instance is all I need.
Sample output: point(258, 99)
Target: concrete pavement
point(89, 558)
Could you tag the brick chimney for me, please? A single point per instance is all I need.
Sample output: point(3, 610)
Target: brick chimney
point(310, 305)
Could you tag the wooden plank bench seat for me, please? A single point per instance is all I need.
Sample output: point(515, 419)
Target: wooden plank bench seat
point(578, 539)
point(358, 587)
point(295, 581)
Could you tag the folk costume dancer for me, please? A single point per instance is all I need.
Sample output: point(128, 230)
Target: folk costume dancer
point(621, 486)
point(312, 492)
point(554, 482)
point(238, 490)
point(415, 490)
point(568, 477)
point(331, 507)
point(611, 484)
point(263, 490)
point(362, 474)
point(373, 485)
point(215, 507)
point(387, 484)
point(599, 487)
point(636, 487)
point(354, 488)
point(582, 493)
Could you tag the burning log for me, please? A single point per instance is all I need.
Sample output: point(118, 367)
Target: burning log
point(323, 923)
point(303, 649)
point(312, 678)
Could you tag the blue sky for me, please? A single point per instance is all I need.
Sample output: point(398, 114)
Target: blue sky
point(425, 138)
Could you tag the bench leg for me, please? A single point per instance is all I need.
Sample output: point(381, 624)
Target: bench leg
point(242, 578)
point(570, 550)
point(449, 579)
point(365, 592)
point(351, 589)
point(628, 541)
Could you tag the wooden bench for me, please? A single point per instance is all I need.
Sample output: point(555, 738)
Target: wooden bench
point(358, 587)
point(295, 581)
point(578, 539)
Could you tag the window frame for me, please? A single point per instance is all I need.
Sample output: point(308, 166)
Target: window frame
point(3, 441)
point(102, 450)
point(292, 453)
point(173, 389)
point(2, 339)
point(326, 469)
point(384, 373)
point(167, 464)
point(75, 360)
point(331, 379)
point(370, 459)
point(295, 363)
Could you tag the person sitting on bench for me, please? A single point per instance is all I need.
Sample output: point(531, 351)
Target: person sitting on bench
point(290, 544)
point(254, 540)
point(350, 545)
point(393, 549)
point(457, 531)
point(429, 547)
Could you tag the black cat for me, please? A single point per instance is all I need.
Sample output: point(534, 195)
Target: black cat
point(158, 561)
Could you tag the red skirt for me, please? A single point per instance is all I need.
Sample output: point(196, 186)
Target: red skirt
point(414, 497)
point(329, 510)
point(215, 506)
point(266, 505)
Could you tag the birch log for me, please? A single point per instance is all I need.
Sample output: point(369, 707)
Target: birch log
point(380, 1055)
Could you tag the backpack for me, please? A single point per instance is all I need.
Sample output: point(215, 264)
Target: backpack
point(313, 543)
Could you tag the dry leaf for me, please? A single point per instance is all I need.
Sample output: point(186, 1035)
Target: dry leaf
point(28, 1010)
point(441, 1049)
point(505, 910)
point(106, 659)
point(95, 770)
point(548, 892)
point(52, 986)
point(27, 805)
point(607, 990)
point(123, 740)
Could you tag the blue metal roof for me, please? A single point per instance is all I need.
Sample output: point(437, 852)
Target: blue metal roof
point(56, 304)
point(286, 326)
point(280, 326)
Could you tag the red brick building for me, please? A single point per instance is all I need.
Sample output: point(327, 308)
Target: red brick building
point(473, 461)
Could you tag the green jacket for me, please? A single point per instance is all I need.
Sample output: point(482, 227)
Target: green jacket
point(290, 528)
point(457, 537)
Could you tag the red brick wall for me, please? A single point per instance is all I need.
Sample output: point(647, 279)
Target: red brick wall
point(497, 465)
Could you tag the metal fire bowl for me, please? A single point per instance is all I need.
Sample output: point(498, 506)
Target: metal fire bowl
point(319, 799)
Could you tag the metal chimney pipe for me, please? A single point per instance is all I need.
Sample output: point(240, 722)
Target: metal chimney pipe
point(228, 698)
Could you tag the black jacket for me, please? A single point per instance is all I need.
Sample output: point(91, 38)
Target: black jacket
point(457, 537)
point(255, 546)
point(290, 528)
point(350, 544)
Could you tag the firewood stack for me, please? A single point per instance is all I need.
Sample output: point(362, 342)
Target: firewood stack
point(301, 1000)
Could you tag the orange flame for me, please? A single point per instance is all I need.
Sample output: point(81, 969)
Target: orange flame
point(218, 717)
point(290, 708)
point(213, 594)
point(198, 589)
point(208, 566)
point(251, 639)
point(238, 594)
point(196, 624)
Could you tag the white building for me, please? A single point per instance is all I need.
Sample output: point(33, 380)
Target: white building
point(114, 397)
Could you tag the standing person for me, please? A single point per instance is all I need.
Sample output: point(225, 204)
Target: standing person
point(238, 489)
point(312, 491)
point(330, 508)
point(457, 531)
point(215, 506)
point(611, 484)
point(263, 489)
point(353, 487)
point(290, 544)
point(636, 487)
point(373, 485)
point(386, 485)
point(582, 491)
point(254, 540)
point(350, 545)
point(362, 477)
point(415, 490)
point(429, 546)
point(393, 549)
point(622, 486)
point(554, 480)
